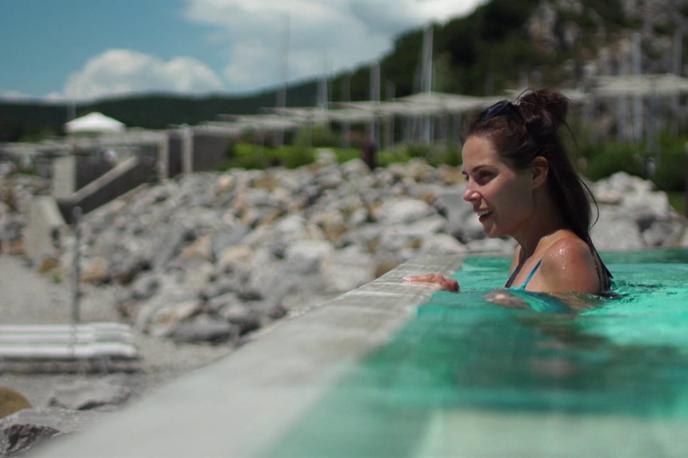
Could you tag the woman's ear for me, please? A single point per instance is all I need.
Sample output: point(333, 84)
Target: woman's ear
point(540, 169)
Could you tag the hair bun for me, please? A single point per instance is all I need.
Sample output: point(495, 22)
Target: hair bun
point(543, 111)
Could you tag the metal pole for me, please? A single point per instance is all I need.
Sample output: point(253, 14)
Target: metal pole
point(638, 125)
point(76, 271)
point(426, 80)
point(375, 98)
point(346, 97)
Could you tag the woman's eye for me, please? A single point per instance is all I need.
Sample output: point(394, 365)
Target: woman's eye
point(483, 177)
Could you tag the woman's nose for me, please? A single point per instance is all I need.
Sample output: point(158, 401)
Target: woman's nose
point(469, 195)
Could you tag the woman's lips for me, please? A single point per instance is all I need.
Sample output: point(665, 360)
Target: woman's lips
point(483, 215)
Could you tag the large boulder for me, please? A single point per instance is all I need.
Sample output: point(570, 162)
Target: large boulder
point(616, 230)
point(403, 210)
point(461, 221)
point(85, 395)
point(305, 256)
point(346, 269)
point(205, 329)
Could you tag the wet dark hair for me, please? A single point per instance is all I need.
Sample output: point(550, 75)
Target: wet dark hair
point(527, 128)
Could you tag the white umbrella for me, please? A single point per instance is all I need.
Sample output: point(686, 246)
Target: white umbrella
point(94, 123)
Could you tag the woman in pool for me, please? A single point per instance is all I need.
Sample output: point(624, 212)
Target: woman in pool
point(521, 184)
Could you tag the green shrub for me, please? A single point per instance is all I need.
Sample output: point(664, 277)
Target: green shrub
point(671, 164)
point(346, 154)
point(392, 155)
point(671, 170)
point(610, 158)
point(249, 156)
point(292, 156)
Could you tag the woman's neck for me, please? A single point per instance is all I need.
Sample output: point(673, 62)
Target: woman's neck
point(540, 227)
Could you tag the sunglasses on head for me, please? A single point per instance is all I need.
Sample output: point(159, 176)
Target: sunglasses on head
point(503, 107)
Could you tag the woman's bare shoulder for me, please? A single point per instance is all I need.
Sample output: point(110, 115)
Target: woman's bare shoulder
point(568, 266)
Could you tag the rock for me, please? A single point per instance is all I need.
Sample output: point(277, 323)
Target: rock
point(442, 244)
point(85, 395)
point(46, 264)
point(167, 318)
point(197, 274)
point(419, 170)
point(305, 256)
point(96, 271)
point(227, 238)
point(492, 245)
point(461, 221)
point(20, 437)
point(124, 268)
point(347, 269)
point(355, 167)
point(169, 244)
point(615, 230)
point(26, 428)
point(662, 234)
point(325, 157)
point(224, 184)
point(145, 287)
point(403, 210)
point(406, 240)
point(241, 315)
point(201, 248)
point(330, 179)
point(289, 230)
point(171, 293)
point(205, 329)
point(232, 258)
point(451, 176)
point(11, 401)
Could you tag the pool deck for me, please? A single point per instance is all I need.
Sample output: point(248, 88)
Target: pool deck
point(241, 403)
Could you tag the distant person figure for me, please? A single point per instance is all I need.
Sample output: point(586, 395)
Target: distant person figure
point(521, 184)
point(369, 149)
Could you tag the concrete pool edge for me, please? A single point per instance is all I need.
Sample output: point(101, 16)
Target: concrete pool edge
point(247, 399)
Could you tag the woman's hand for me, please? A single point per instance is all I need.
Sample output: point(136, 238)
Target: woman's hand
point(505, 299)
point(434, 281)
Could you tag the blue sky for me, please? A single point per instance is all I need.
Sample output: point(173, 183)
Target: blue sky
point(86, 49)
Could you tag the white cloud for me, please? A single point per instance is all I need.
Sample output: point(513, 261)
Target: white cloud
point(14, 96)
point(122, 71)
point(343, 33)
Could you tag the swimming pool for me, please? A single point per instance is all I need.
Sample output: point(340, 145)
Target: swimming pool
point(467, 378)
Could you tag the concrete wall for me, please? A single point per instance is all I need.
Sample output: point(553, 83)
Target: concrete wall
point(124, 177)
point(72, 173)
point(88, 168)
point(43, 225)
point(174, 155)
point(207, 152)
point(64, 177)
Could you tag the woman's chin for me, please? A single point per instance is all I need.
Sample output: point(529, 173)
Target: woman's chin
point(492, 232)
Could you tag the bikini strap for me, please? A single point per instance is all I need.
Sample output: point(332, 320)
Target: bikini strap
point(513, 275)
point(530, 275)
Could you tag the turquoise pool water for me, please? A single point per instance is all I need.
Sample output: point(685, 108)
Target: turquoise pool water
point(475, 365)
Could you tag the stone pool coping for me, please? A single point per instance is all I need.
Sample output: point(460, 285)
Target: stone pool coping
point(247, 400)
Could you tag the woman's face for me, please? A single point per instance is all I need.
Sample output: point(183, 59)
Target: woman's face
point(501, 196)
